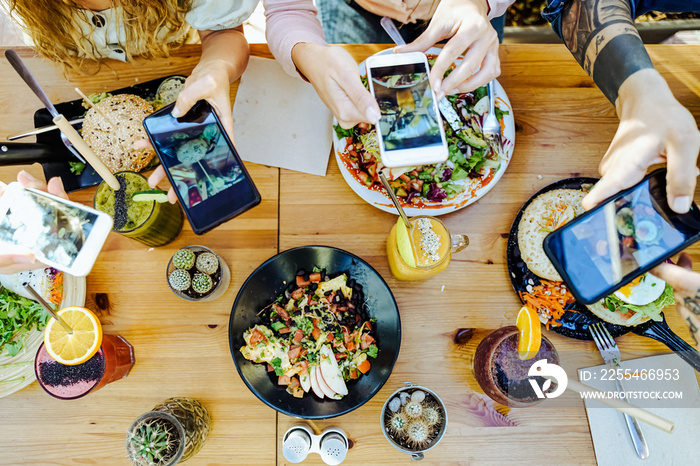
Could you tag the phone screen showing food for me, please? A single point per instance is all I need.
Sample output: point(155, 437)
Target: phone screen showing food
point(204, 168)
point(49, 228)
point(631, 232)
point(408, 117)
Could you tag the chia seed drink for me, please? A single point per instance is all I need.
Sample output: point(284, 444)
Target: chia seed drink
point(149, 222)
point(113, 361)
point(502, 375)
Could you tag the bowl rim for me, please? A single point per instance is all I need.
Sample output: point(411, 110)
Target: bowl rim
point(233, 350)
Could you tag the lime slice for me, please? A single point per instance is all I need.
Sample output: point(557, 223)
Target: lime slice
point(403, 243)
point(157, 195)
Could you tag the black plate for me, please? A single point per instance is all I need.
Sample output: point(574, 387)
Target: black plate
point(264, 285)
point(577, 318)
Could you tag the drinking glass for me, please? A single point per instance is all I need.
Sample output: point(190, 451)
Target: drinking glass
point(425, 267)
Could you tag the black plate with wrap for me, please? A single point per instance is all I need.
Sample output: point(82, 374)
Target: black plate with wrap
point(269, 280)
point(577, 317)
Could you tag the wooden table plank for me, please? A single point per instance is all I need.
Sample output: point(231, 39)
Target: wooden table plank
point(563, 127)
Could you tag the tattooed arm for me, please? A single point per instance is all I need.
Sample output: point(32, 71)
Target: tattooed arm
point(686, 285)
point(654, 126)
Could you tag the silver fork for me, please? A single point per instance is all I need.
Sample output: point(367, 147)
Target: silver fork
point(611, 355)
point(491, 127)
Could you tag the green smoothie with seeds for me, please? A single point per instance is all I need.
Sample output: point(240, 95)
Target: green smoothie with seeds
point(150, 222)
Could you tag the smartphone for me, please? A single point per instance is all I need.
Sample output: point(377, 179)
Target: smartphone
point(202, 165)
point(410, 130)
point(61, 234)
point(620, 239)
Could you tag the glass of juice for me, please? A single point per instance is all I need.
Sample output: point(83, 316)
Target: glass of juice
point(113, 361)
point(149, 222)
point(502, 375)
point(424, 250)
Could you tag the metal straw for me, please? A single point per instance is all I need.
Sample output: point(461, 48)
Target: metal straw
point(46, 306)
point(393, 197)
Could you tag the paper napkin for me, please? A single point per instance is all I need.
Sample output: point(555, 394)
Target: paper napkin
point(280, 121)
point(611, 438)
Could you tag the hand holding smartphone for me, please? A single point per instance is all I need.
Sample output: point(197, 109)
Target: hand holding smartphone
point(620, 239)
point(410, 130)
point(202, 165)
point(62, 234)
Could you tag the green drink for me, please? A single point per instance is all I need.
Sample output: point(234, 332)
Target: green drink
point(149, 222)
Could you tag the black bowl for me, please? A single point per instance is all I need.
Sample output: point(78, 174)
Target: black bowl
point(268, 281)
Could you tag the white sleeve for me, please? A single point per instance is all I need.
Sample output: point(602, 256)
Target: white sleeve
point(215, 15)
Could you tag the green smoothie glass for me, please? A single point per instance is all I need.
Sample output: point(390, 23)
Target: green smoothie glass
point(149, 222)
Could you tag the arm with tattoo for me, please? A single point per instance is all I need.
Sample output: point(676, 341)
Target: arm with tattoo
point(602, 38)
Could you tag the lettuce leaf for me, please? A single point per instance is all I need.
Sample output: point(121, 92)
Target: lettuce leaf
point(652, 310)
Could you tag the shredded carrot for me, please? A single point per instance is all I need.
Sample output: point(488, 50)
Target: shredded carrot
point(549, 299)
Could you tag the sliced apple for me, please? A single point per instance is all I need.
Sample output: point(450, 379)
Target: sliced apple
point(322, 384)
point(331, 372)
point(314, 383)
point(305, 381)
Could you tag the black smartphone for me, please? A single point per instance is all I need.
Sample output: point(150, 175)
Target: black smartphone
point(620, 239)
point(202, 165)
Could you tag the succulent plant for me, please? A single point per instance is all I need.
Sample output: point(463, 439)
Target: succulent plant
point(418, 434)
point(208, 263)
point(154, 442)
point(397, 423)
point(179, 279)
point(202, 283)
point(183, 259)
point(413, 409)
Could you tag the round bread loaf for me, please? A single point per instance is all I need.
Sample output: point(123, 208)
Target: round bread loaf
point(546, 213)
point(113, 140)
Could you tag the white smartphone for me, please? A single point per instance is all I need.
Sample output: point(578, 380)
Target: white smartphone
point(62, 234)
point(410, 128)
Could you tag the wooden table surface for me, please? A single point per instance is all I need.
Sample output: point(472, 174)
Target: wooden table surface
point(563, 126)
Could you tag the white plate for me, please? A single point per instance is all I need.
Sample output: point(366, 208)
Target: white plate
point(475, 189)
point(74, 291)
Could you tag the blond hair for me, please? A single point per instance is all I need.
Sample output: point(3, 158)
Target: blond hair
point(55, 29)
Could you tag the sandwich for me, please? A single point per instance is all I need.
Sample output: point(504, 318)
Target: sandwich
point(639, 301)
point(112, 138)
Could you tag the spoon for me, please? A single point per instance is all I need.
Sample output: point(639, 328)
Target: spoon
point(46, 306)
point(395, 199)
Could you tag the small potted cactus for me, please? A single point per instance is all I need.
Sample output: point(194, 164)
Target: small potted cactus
point(195, 273)
point(155, 438)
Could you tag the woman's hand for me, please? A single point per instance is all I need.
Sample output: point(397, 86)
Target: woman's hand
point(14, 263)
point(335, 76)
point(654, 128)
point(465, 23)
point(686, 286)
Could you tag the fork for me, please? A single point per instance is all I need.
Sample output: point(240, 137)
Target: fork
point(611, 355)
point(491, 127)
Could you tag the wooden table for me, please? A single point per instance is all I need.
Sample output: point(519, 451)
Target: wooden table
point(563, 126)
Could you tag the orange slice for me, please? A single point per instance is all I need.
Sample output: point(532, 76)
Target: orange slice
point(82, 344)
point(530, 333)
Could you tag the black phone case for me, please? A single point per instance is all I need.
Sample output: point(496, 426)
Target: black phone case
point(556, 233)
point(241, 209)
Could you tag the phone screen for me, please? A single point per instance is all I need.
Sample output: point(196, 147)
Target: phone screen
point(632, 231)
point(47, 227)
point(405, 100)
point(204, 168)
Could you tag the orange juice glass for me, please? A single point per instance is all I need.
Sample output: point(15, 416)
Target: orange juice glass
point(430, 261)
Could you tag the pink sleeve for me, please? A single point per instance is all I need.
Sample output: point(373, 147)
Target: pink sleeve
point(289, 22)
point(498, 7)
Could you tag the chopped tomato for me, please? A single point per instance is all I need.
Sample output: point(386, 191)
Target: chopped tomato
point(304, 367)
point(405, 177)
point(302, 282)
point(350, 345)
point(368, 325)
point(270, 368)
point(364, 367)
point(315, 277)
point(316, 321)
point(281, 312)
point(293, 352)
point(330, 297)
point(283, 380)
point(298, 336)
point(349, 337)
point(298, 293)
point(334, 308)
point(330, 336)
point(316, 333)
point(340, 355)
point(294, 382)
point(366, 341)
point(354, 374)
point(256, 336)
point(284, 330)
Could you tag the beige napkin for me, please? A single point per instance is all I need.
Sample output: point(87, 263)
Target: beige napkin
point(611, 439)
point(279, 120)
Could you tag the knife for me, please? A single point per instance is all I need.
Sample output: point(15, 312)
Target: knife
point(43, 129)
